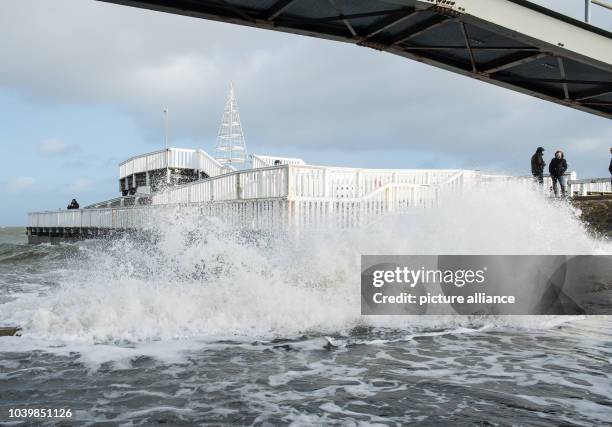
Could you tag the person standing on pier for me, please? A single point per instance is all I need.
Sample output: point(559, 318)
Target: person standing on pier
point(557, 168)
point(537, 165)
point(73, 204)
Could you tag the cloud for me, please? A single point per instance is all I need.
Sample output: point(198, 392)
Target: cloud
point(295, 93)
point(588, 145)
point(79, 185)
point(52, 147)
point(20, 183)
point(55, 147)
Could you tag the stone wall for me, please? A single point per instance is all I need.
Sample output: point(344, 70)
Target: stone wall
point(597, 212)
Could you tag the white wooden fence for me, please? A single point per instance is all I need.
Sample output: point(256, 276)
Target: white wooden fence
point(574, 186)
point(583, 187)
point(111, 218)
point(181, 158)
point(308, 182)
point(296, 195)
point(261, 161)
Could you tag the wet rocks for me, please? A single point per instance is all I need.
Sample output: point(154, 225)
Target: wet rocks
point(597, 212)
point(9, 331)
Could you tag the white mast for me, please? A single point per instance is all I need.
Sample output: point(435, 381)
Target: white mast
point(165, 111)
point(231, 147)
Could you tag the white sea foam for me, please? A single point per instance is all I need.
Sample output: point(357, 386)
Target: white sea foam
point(204, 280)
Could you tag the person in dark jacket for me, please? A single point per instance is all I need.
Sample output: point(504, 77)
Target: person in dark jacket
point(537, 165)
point(557, 168)
point(73, 205)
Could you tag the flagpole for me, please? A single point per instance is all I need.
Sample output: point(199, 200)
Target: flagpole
point(165, 111)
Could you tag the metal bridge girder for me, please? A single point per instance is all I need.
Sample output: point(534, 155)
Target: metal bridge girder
point(510, 43)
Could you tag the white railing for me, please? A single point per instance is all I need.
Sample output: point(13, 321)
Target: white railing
point(341, 183)
point(90, 218)
point(238, 185)
point(180, 158)
point(210, 165)
point(306, 182)
point(587, 8)
point(353, 212)
point(261, 161)
point(263, 183)
point(302, 195)
point(574, 187)
point(348, 195)
point(583, 187)
point(136, 199)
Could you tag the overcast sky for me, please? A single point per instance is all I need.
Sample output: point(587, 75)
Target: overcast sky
point(83, 83)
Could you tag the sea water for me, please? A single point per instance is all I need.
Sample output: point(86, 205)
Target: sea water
point(204, 324)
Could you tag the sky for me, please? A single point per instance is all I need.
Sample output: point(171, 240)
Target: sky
point(83, 84)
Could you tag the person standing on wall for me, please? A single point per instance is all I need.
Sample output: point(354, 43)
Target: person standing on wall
point(537, 165)
point(557, 168)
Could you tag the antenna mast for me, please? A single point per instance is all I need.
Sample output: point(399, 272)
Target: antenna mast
point(231, 147)
point(165, 111)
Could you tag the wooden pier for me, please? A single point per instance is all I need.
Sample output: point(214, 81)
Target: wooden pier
point(278, 193)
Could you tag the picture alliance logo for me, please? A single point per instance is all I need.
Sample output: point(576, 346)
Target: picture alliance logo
point(483, 284)
point(411, 277)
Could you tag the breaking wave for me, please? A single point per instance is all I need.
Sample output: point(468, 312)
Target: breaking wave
point(195, 277)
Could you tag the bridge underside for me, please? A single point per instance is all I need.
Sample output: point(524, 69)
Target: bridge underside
point(509, 43)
